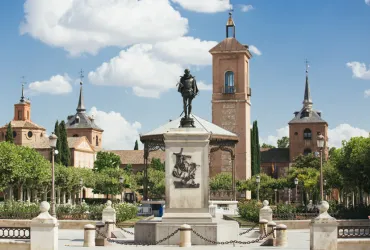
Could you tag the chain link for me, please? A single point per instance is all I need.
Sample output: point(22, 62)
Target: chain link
point(232, 241)
point(126, 231)
point(247, 231)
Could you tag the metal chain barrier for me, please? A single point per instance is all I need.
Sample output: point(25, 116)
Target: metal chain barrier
point(247, 231)
point(232, 241)
point(126, 231)
point(137, 243)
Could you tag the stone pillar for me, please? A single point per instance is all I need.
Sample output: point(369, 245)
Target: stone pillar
point(89, 235)
point(28, 194)
point(270, 228)
point(109, 227)
point(109, 213)
point(263, 226)
point(212, 210)
point(185, 236)
point(64, 198)
point(281, 236)
point(100, 237)
point(323, 230)
point(44, 230)
point(265, 212)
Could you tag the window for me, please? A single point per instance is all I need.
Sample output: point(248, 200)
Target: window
point(307, 135)
point(75, 135)
point(29, 134)
point(307, 151)
point(229, 82)
point(19, 115)
point(14, 134)
point(97, 141)
point(295, 133)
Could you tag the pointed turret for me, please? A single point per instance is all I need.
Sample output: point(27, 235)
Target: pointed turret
point(230, 26)
point(307, 102)
point(81, 105)
point(22, 96)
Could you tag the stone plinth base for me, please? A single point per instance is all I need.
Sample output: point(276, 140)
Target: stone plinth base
point(186, 218)
point(150, 231)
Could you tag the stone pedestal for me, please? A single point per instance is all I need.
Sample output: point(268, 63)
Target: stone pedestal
point(323, 230)
point(109, 213)
point(187, 175)
point(89, 235)
point(44, 230)
point(266, 212)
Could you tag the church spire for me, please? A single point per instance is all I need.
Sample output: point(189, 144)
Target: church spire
point(22, 96)
point(307, 102)
point(230, 25)
point(81, 105)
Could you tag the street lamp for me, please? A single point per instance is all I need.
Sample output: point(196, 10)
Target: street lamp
point(121, 180)
point(258, 180)
point(275, 196)
point(53, 144)
point(81, 183)
point(320, 145)
point(296, 188)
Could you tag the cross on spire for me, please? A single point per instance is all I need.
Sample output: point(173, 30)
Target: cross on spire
point(81, 76)
point(307, 65)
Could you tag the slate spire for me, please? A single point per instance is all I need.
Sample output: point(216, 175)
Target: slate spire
point(81, 104)
point(307, 102)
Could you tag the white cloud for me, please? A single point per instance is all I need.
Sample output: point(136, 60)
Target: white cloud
point(367, 2)
point(56, 85)
point(203, 86)
point(246, 8)
point(359, 70)
point(86, 26)
point(367, 92)
point(118, 132)
point(206, 6)
point(336, 135)
point(272, 139)
point(153, 69)
point(344, 132)
point(254, 50)
point(185, 50)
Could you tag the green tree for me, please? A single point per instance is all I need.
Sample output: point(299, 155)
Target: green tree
point(136, 145)
point(255, 149)
point(307, 161)
point(9, 133)
point(264, 145)
point(65, 154)
point(106, 160)
point(221, 181)
point(157, 164)
point(58, 147)
point(283, 142)
point(128, 168)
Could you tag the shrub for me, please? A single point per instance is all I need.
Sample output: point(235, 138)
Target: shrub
point(125, 211)
point(285, 209)
point(249, 210)
point(18, 210)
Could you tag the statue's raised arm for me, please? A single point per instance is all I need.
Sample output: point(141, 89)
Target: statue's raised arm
point(188, 89)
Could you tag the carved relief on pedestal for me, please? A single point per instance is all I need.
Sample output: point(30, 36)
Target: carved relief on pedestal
point(185, 171)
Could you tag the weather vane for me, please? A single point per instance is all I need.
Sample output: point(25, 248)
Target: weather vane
point(307, 65)
point(81, 76)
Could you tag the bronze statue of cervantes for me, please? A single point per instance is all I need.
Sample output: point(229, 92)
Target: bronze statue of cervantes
point(188, 89)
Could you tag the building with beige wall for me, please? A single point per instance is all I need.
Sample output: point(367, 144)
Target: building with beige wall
point(231, 104)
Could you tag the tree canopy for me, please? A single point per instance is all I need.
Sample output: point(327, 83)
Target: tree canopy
point(283, 142)
point(106, 160)
point(9, 133)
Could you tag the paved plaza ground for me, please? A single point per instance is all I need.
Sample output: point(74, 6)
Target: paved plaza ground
point(73, 239)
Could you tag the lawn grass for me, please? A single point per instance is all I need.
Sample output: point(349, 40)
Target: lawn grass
point(242, 222)
point(131, 222)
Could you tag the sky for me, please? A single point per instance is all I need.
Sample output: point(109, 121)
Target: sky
point(133, 52)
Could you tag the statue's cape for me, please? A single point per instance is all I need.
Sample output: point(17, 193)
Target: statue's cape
point(196, 90)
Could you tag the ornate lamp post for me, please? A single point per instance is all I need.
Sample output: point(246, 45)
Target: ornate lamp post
point(81, 183)
point(53, 144)
point(296, 188)
point(258, 180)
point(121, 180)
point(320, 145)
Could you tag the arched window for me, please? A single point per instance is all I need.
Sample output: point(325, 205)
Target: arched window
point(97, 141)
point(229, 82)
point(307, 134)
point(75, 135)
point(307, 151)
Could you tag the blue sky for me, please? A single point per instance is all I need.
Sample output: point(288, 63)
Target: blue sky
point(143, 48)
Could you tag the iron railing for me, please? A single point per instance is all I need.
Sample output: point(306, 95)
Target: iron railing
point(354, 231)
point(15, 233)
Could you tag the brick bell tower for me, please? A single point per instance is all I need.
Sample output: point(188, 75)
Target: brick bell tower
point(231, 105)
